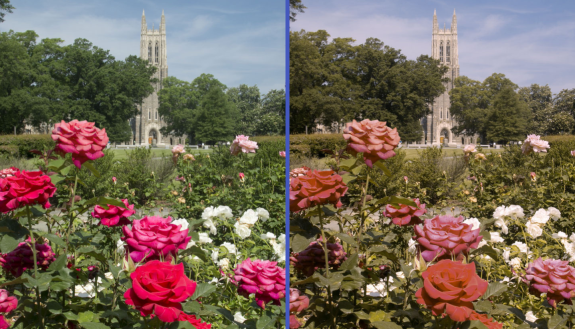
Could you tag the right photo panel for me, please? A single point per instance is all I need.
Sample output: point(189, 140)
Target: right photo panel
point(432, 164)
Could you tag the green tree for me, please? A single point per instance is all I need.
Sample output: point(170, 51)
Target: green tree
point(540, 101)
point(295, 6)
point(273, 107)
point(217, 117)
point(6, 7)
point(564, 101)
point(509, 117)
point(247, 100)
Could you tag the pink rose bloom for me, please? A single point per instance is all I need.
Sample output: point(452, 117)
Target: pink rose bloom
point(20, 259)
point(3, 323)
point(263, 278)
point(178, 149)
point(243, 144)
point(313, 257)
point(534, 143)
point(8, 172)
point(372, 138)
point(573, 153)
point(114, 180)
point(80, 138)
point(297, 303)
point(446, 237)
point(533, 176)
point(114, 216)
point(469, 149)
point(552, 277)
point(7, 302)
point(405, 215)
point(154, 237)
point(25, 188)
point(283, 154)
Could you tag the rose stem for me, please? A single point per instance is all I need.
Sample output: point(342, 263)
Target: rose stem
point(72, 207)
point(326, 254)
point(34, 257)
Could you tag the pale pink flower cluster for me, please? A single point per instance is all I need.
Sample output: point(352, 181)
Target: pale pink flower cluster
point(178, 149)
point(243, 144)
point(534, 143)
point(573, 153)
point(469, 149)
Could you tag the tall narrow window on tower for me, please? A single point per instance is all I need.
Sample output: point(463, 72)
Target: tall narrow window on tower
point(448, 52)
point(157, 53)
point(441, 51)
point(149, 52)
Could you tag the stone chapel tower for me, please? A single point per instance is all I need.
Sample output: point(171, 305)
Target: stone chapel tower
point(437, 125)
point(146, 126)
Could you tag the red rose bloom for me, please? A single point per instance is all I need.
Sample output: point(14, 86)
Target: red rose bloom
point(487, 321)
point(444, 237)
point(552, 277)
point(80, 138)
point(313, 257)
point(20, 259)
point(159, 288)
point(25, 188)
point(154, 237)
point(114, 216)
point(263, 278)
point(7, 302)
point(196, 322)
point(3, 323)
point(405, 215)
point(451, 287)
point(372, 138)
point(316, 188)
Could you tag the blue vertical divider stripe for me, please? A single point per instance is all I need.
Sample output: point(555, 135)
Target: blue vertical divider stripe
point(287, 161)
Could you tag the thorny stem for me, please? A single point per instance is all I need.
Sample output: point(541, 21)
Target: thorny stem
point(362, 212)
point(326, 254)
point(71, 208)
point(34, 257)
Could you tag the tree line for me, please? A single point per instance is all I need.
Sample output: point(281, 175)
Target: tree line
point(44, 81)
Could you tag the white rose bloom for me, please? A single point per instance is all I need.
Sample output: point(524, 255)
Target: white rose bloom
point(522, 246)
point(554, 213)
point(529, 316)
point(379, 289)
point(269, 236)
point(238, 317)
point(243, 230)
point(541, 216)
point(514, 212)
point(224, 263)
point(481, 243)
point(249, 217)
point(474, 222)
point(109, 275)
point(506, 279)
point(204, 238)
point(208, 213)
point(215, 254)
point(214, 280)
point(400, 274)
point(499, 212)
point(559, 235)
point(209, 223)
point(485, 258)
point(223, 212)
point(500, 222)
point(183, 222)
point(506, 253)
point(496, 237)
point(412, 246)
point(280, 247)
point(120, 247)
point(230, 247)
point(569, 249)
point(87, 290)
point(191, 244)
point(263, 214)
point(534, 229)
point(515, 262)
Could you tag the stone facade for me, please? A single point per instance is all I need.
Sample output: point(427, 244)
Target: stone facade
point(146, 126)
point(437, 125)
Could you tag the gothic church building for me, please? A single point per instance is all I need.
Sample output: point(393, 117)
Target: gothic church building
point(146, 126)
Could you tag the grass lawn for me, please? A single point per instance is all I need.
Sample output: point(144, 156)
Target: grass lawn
point(411, 153)
point(156, 153)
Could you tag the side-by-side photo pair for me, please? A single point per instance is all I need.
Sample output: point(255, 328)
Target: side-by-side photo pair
point(301, 164)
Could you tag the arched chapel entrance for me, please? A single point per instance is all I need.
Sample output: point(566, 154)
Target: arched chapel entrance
point(153, 137)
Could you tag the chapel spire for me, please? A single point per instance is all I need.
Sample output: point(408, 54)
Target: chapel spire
point(454, 22)
point(144, 25)
point(435, 25)
point(163, 24)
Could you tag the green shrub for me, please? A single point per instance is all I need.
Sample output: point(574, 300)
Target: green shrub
point(9, 150)
point(26, 143)
point(312, 145)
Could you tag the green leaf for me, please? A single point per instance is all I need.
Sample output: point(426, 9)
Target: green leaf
point(192, 307)
point(385, 324)
point(349, 263)
point(59, 263)
point(54, 307)
point(345, 306)
point(299, 243)
point(55, 179)
point(495, 289)
point(377, 316)
point(55, 239)
point(399, 200)
point(90, 166)
point(265, 322)
point(506, 309)
point(486, 250)
point(382, 166)
point(86, 316)
point(347, 239)
point(94, 325)
point(556, 322)
point(473, 324)
point(221, 311)
point(203, 289)
point(483, 306)
point(8, 244)
point(181, 325)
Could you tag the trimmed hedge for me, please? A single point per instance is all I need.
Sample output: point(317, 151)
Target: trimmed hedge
point(22, 144)
point(558, 138)
point(312, 145)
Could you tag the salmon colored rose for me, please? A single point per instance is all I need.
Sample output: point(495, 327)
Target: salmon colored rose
point(451, 287)
point(405, 215)
point(159, 288)
point(7, 303)
point(552, 277)
point(80, 138)
point(297, 303)
point(196, 322)
point(487, 321)
point(372, 138)
point(316, 188)
point(114, 215)
point(154, 237)
point(263, 278)
point(25, 188)
point(445, 237)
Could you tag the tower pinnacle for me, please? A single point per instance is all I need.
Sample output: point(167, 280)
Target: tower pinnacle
point(435, 26)
point(163, 24)
point(144, 25)
point(454, 22)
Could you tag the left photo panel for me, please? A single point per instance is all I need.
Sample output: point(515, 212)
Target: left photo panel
point(142, 164)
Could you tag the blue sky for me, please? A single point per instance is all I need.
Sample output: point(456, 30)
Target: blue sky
point(528, 41)
point(236, 41)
